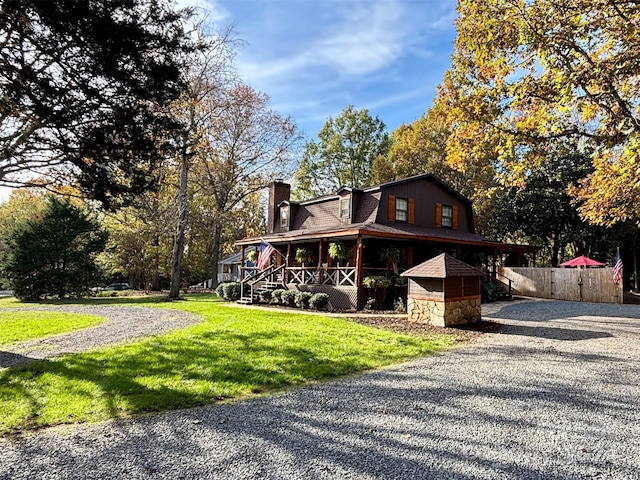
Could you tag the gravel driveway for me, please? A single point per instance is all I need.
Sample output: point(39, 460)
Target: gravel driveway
point(553, 396)
point(122, 324)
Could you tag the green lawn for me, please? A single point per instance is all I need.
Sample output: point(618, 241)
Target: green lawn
point(18, 326)
point(233, 353)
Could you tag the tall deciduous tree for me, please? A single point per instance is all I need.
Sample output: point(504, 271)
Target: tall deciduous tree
point(246, 146)
point(54, 255)
point(344, 154)
point(208, 73)
point(83, 85)
point(530, 72)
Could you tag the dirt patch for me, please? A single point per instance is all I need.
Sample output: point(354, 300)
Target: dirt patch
point(463, 333)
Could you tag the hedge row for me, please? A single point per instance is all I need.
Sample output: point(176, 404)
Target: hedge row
point(230, 292)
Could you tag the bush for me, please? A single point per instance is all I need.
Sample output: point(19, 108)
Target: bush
point(489, 291)
point(265, 296)
point(302, 299)
point(231, 291)
point(399, 306)
point(289, 298)
point(319, 301)
point(276, 296)
point(376, 281)
point(220, 289)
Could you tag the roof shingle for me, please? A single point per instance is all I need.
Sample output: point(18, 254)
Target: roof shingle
point(442, 266)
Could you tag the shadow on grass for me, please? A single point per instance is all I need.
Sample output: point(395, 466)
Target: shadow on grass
point(10, 359)
point(400, 423)
point(184, 370)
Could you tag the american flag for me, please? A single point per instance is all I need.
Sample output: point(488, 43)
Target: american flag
point(617, 268)
point(264, 258)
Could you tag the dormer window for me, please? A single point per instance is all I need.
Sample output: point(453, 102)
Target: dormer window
point(344, 208)
point(284, 216)
point(402, 209)
point(447, 216)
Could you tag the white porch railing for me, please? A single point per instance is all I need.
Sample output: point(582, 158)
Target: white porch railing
point(339, 276)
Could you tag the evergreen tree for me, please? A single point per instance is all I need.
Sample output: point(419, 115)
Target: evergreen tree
point(53, 255)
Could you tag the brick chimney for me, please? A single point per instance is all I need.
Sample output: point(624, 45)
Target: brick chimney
point(278, 192)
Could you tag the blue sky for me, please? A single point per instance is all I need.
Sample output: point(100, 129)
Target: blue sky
point(314, 57)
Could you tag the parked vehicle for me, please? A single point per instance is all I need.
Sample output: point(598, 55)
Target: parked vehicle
point(118, 286)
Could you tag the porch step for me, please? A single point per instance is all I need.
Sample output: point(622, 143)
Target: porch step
point(245, 301)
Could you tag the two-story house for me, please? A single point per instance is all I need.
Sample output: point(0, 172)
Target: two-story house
point(419, 216)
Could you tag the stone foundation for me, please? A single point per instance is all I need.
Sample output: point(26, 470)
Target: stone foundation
point(444, 313)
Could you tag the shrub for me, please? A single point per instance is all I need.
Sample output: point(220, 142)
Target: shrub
point(302, 299)
point(489, 291)
point(378, 285)
point(231, 291)
point(220, 289)
point(399, 306)
point(289, 298)
point(319, 301)
point(276, 296)
point(265, 296)
point(376, 281)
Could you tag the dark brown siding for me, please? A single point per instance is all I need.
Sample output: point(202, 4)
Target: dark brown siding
point(453, 287)
point(426, 287)
point(426, 193)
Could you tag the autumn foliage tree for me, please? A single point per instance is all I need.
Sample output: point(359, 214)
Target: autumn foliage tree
point(246, 145)
point(526, 74)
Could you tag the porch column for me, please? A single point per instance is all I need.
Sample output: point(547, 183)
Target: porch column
point(320, 269)
point(286, 273)
point(410, 256)
point(359, 261)
point(494, 262)
point(242, 264)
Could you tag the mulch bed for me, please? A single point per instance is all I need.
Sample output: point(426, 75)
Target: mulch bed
point(464, 333)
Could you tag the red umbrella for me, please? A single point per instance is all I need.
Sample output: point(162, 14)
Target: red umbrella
point(582, 261)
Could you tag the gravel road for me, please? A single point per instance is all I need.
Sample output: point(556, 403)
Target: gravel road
point(554, 395)
point(122, 324)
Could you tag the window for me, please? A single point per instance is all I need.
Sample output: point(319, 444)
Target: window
point(447, 216)
point(402, 209)
point(284, 216)
point(344, 208)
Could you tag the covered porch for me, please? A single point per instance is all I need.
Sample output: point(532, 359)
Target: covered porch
point(336, 262)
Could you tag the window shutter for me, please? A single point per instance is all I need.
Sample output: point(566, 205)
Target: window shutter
point(412, 211)
point(392, 208)
point(438, 214)
point(455, 217)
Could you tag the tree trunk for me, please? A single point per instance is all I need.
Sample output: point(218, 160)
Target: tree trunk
point(555, 250)
point(181, 227)
point(635, 270)
point(215, 252)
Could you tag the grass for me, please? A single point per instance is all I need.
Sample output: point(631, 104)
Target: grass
point(232, 354)
point(27, 325)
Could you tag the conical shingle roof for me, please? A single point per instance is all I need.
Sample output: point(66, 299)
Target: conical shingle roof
point(443, 266)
